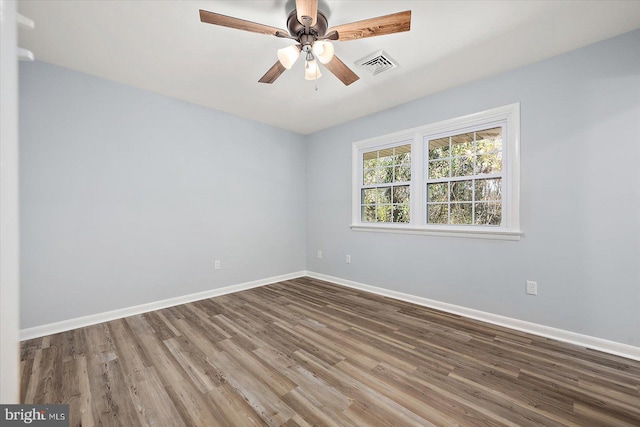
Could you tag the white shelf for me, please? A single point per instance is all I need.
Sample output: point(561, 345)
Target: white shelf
point(24, 54)
point(24, 21)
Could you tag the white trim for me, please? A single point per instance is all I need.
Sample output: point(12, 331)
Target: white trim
point(417, 214)
point(9, 208)
point(468, 231)
point(594, 343)
point(80, 322)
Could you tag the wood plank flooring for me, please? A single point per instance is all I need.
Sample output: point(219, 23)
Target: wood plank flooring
point(306, 352)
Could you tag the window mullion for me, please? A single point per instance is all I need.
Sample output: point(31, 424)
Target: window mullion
point(418, 185)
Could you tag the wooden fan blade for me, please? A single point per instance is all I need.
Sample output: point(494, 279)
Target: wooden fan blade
point(307, 8)
point(380, 26)
point(273, 73)
point(239, 24)
point(341, 71)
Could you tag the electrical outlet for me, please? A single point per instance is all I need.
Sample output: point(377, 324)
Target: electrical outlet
point(319, 254)
point(348, 259)
point(532, 287)
point(216, 265)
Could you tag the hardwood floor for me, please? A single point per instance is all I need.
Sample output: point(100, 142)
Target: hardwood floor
point(306, 352)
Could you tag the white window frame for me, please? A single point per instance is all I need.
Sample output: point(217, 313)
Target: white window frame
point(507, 116)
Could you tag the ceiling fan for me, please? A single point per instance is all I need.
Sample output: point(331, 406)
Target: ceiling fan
point(308, 26)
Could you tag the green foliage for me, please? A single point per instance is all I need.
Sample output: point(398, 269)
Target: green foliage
point(384, 195)
point(438, 192)
point(471, 201)
point(438, 213)
point(462, 191)
point(386, 204)
point(488, 213)
point(462, 166)
point(475, 200)
point(461, 213)
point(401, 194)
point(401, 213)
point(488, 163)
point(488, 189)
point(439, 169)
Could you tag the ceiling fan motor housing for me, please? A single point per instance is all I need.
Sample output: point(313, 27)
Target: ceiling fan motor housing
point(296, 28)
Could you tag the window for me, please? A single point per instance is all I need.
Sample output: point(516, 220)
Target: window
point(386, 178)
point(464, 178)
point(458, 177)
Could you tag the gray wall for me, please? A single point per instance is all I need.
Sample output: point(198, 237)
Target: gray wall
point(580, 200)
point(127, 197)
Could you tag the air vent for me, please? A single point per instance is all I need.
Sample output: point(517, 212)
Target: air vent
point(377, 63)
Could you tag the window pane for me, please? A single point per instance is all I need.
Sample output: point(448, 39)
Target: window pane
point(370, 164)
point(401, 213)
point(462, 191)
point(384, 213)
point(369, 213)
point(489, 163)
point(385, 157)
point(403, 173)
point(489, 140)
point(439, 148)
point(368, 196)
point(489, 213)
point(438, 169)
point(370, 159)
point(403, 159)
point(369, 177)
point(438, 192)
point(385, 175)
point(384, 195)
point(386, 203)
point(401, 194)
point(489, 189)
point(402, 154)
point(462, 166)
point(461, 213)
point(462, 145)
point(438, 214)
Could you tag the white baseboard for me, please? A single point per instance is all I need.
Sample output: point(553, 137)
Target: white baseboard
point(611, 347)
point(80, 322)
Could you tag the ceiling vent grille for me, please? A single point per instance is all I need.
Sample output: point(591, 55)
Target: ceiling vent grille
point(377, 63)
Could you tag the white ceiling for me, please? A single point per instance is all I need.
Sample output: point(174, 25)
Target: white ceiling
point(163, 47)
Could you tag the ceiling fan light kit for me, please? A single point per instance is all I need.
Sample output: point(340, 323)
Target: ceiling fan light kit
point(288, 56)
point(311, 70)
point(309, 27)
point(323, 50)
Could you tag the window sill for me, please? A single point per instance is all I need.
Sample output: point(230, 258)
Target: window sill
point(481, 233)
